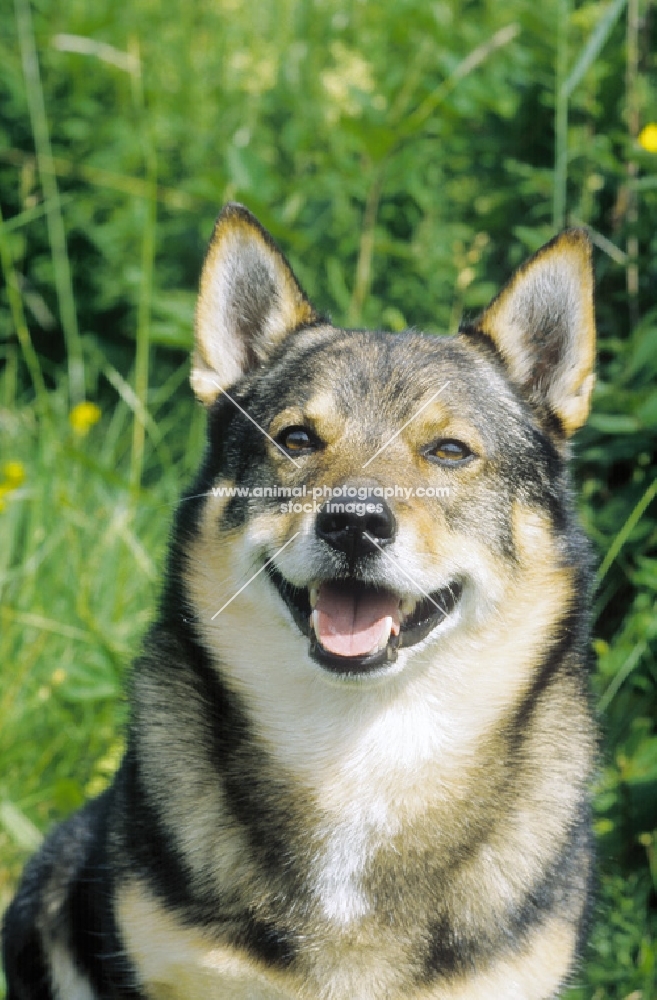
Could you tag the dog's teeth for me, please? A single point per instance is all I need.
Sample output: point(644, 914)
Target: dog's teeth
point(314, 622)
point(313, 594)
point(385, 634)
point(407, 606)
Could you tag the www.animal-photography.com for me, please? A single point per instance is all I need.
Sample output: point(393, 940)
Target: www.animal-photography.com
point(328, 539)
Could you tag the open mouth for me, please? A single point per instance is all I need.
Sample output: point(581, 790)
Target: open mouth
point(355, 627)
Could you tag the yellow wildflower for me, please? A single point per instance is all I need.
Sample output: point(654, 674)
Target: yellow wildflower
point(648, 137)
point(13, 474)
point(83, 416)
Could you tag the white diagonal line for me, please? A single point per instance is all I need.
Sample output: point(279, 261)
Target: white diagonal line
point(403, 571)
point(264, 566)
point(180, 500)
point(397, 433)
point(255, 423)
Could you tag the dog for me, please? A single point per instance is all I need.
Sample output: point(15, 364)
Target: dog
point(360, 741)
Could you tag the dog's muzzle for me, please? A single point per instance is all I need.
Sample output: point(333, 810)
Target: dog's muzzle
point(357, 627)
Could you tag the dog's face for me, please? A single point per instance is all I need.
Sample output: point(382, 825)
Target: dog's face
point(395, 494)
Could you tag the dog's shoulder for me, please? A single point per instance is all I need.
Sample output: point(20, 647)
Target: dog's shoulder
point(59, 935)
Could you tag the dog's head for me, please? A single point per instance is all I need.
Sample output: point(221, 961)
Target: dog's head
point(372, 494)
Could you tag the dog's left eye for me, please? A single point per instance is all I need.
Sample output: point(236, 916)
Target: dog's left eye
point(297, 439)
point(448, 451)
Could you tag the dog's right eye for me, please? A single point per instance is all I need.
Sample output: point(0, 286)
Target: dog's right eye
point(297, 440)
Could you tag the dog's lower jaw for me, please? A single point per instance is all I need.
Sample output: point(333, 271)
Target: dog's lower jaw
point(354, 665)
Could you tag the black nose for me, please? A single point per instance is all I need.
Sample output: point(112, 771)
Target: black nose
point(357, 527)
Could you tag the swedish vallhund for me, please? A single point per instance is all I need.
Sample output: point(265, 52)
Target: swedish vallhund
point(360, 739)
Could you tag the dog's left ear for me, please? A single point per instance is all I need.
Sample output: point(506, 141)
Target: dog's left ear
point(543, 325)
point(249, 300)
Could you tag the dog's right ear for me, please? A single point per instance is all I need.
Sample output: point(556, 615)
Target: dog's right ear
point(249, 301)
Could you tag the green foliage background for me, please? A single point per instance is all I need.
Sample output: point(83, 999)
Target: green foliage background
point(407, 157)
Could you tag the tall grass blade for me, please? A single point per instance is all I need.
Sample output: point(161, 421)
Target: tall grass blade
point(633, 101)
point(100, 50)
point(626, 530)
point(21, 829)
point(421, 115)
point(146, 287)
point(621, 676)
point(18, 318)
point(594, 46)
point(560, 181)
point(55, 220)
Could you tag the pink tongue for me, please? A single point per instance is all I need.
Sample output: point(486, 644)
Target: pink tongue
point(352, 624)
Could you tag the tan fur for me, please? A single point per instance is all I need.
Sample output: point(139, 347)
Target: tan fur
point(532, 975)
point(179, 963)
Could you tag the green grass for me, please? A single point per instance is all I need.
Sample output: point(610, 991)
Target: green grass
point(81, 558)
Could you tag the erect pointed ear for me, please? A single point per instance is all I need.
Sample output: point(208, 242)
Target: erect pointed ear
point(543, 325)
point(249, 300)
